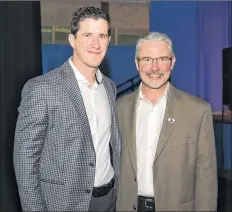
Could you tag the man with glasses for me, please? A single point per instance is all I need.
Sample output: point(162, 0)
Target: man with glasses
point(168, 158)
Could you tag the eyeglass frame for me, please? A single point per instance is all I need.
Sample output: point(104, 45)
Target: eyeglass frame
point(155, 59)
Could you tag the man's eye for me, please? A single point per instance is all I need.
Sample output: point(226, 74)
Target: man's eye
point(147, 59)
point(163, 59)
point(103, 36)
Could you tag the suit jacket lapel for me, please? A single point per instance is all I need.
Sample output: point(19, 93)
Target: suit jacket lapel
point(70, 84)
point(172, 112)
point(111, 98)
point(130, 119)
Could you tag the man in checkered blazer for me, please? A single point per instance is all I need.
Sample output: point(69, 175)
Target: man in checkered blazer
point(67, 143)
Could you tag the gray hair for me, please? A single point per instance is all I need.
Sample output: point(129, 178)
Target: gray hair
point(155, 36)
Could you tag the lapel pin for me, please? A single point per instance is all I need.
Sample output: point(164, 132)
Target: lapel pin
point(171, 120)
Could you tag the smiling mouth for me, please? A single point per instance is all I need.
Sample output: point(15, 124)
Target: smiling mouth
point(155, 75)
point(96, 53)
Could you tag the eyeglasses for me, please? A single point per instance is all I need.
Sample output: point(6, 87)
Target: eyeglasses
point(150, 60)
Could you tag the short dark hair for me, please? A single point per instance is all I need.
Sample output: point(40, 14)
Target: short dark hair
point(88, 12)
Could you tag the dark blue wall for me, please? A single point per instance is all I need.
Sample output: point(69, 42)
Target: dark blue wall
point(178, 20)
point(119, 60)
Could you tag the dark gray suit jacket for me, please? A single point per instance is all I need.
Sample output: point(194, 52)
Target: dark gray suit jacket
point(53, 149)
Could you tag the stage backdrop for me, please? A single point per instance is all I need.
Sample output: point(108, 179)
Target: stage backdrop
point(199, 31)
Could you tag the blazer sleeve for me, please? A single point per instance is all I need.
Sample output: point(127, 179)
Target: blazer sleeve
point(29, 140)
point(206, 168)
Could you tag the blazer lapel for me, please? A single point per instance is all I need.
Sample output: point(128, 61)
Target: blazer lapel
point(172, 112)
point(130, 119)
point(70, 84)
point(111, 98)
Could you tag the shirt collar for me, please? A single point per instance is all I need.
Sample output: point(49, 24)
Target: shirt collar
point(81, 78)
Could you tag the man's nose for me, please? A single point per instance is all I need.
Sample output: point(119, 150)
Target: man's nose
point(95, 43)
point(154, 65)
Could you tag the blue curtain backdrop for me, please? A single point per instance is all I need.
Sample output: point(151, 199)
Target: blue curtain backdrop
point(199, 31)
point(214, 23)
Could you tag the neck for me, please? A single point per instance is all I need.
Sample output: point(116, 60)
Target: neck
point(88, 72)
point(153, 95)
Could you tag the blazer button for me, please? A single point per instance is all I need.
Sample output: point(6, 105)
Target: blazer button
point(91, 164)
point(87, 191)
point(135, 179)
point(134, 207)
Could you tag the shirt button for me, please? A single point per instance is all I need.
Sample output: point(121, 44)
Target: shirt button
point(91, 164)
point(134, 207)
point(87, 191)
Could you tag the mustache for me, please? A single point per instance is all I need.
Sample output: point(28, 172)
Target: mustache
point(151, 72)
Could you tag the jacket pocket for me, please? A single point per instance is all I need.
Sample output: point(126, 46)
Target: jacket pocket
point(51, 181)
point(188, 206)
point(55, 195)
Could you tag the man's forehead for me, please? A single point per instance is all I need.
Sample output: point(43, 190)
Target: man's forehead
point(154, 44)
point(159, 47)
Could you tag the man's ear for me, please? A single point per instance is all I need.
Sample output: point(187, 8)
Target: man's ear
point(71, 39)
point(173, 62)
point(137, 64)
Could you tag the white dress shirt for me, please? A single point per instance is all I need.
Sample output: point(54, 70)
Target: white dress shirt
point(149, 119)
point(99, 116)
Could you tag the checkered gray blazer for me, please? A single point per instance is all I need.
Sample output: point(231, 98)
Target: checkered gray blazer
point(53, 148)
